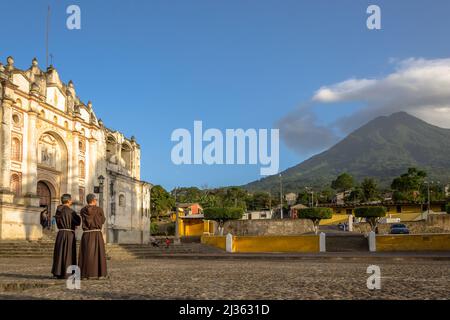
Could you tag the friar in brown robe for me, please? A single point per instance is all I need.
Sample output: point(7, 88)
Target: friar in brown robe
point(92, 260)
point(65, 252)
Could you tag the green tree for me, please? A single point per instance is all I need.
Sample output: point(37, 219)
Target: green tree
point(161, 201)
point(356, 195)
point(369, 189)
point(223, 214)
point(235, 197)
point(343, 182)
point(259, 201)
point(371, 214)
point(408, 185)
point(326, 195)
point(315, 215)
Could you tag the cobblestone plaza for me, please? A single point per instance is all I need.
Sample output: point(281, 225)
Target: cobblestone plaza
point(232, 279)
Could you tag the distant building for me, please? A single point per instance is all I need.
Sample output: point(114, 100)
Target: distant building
point(291, 198)
point(258, 215)
point(190, 208)
point(294, 210)
point(190, 219)
point(406, 209)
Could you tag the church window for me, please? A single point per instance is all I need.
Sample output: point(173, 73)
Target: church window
point(82, 194)
point(82, 145)
point(19, 103)
point(16, 149)
point(16, 184)
point(16, 119)
point(82, 169)
point(121, 200)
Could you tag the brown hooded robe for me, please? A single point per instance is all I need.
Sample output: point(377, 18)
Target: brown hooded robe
point(92, 260)
point(65, 252)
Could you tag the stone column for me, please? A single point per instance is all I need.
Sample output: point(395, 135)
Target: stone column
point(5, 172)
point(31, 160)
point(92, 171)
point(31, 155)
point(75, 183)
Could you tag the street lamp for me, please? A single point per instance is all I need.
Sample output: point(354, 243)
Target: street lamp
point(281, 196)
point(310, 191)
point(101, 182)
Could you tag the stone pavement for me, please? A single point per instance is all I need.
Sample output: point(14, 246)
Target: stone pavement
point(232, 279)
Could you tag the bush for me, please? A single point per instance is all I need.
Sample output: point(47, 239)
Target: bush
point(171, 229)
point(372, 214)
point(223, 214)
point(447, 208)
point(315, 214)
point(154, 228)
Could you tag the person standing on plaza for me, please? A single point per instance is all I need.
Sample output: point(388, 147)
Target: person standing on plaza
point(65, 251)
point(44, 218)
point(92, 259)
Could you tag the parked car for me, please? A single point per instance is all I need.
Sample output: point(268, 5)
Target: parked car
point(399, 228)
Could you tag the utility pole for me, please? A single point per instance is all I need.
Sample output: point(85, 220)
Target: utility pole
point(429, 194)
point(177, 231)
point(281, 196)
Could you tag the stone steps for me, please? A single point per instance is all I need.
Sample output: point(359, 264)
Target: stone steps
point(347, 243)
point(41, 249)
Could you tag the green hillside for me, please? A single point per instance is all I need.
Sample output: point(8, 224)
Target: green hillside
point(383, 149)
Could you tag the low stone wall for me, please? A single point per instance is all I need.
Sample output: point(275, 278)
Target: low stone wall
point(268, 227)
point(19, 222)
point(441, 221)
point(416, 242)
point(436, 223)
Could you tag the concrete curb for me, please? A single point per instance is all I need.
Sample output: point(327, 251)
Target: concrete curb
point(317, 257)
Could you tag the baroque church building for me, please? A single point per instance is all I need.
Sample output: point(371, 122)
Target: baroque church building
point(52, 143)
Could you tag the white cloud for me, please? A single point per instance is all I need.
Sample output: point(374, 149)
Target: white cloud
point(420, 87)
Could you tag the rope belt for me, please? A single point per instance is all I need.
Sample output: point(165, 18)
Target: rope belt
point(95, 230)
point(66, 230)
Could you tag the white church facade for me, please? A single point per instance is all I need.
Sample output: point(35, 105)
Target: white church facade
point(52, 143)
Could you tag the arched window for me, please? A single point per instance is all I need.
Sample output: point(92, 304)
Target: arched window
point(42, 113)
point(82, 194)
point(16, 119)
point(16, 149)
point(121, 200)
point(66, 125)
point(82, 169)
point(82, 145)
point(126, 155)
point(16, 184)
point(55, 119)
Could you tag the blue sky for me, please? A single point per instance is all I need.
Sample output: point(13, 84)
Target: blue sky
point(150, 67)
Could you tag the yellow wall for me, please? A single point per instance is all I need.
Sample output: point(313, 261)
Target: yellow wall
point(309, 243)
point(215, 241)
point(276, 244)
point(190, 227)
point(335, 219)
point(413, 242)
